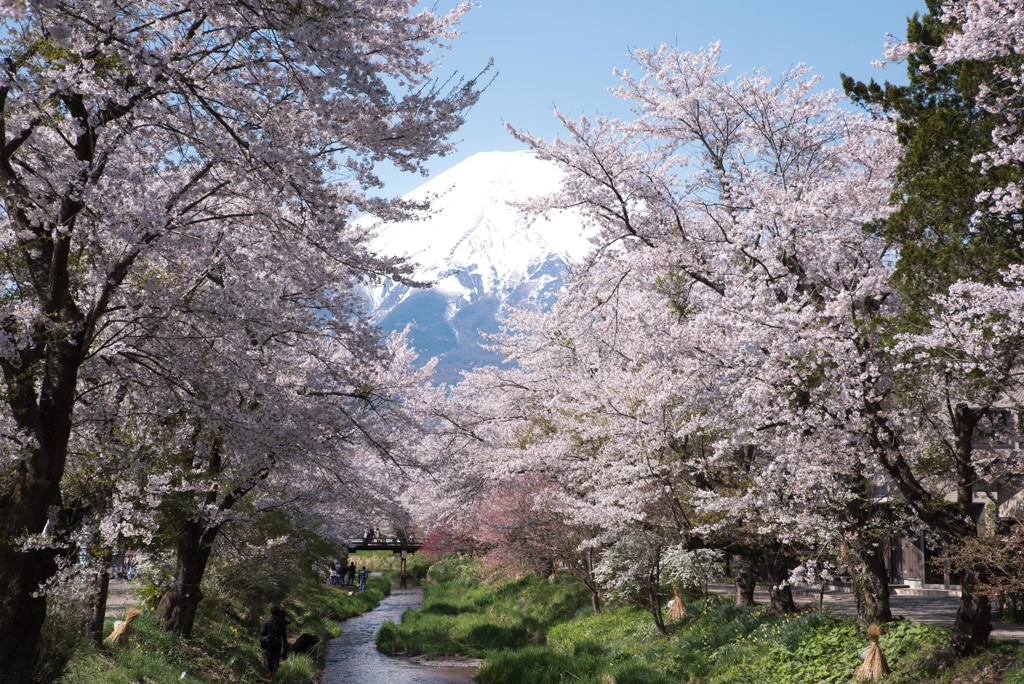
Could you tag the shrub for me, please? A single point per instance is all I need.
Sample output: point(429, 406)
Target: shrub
point(537, 665)
point(62, 634)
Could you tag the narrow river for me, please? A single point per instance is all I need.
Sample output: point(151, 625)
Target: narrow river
point(352, 658)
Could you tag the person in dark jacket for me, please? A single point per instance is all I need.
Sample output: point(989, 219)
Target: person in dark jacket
point(274, 638)
point(351, 573)
point(363, 574)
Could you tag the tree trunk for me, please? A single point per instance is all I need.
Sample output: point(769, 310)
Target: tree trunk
point(779, 565)
point(21, 613)
point(746, 583)
point(23, 511)
point(870, 583)
point(973, 622)
point(782, 599)
point(99, 602)
point(176, 611)
point(654, 596)
point(595, 600)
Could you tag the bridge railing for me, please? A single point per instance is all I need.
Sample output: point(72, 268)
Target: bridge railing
point(384, 544)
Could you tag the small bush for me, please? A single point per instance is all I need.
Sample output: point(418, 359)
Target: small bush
point(224, 648)
point(454, 571)
point(62, 634)
point(296, 669)
point(537, 665)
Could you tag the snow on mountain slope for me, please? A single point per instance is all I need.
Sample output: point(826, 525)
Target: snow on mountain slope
point(482, 254)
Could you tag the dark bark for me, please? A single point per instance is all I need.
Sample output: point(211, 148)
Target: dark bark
point(586, 564)
point(99, 602)
point(973, 623)
point(652, 589)
point(24, 508)
point(21, 613)
point(176, 611)
point(746, 581)
point(953, 522)
point(654, 601)
point(782, 599)
point(870, 583)
point(778, 565)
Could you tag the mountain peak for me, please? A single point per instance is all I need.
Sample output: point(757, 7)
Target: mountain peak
point(482, 253)
point(474, 227)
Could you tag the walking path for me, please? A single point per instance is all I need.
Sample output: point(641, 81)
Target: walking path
point(939, 611)
point(120, 598)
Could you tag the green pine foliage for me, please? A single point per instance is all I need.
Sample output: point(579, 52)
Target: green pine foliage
point(937, 228)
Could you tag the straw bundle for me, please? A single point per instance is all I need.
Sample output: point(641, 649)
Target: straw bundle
point(678, 609)
point(874, 666)
point(123, 628)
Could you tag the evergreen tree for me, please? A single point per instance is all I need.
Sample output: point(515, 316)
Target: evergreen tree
point(940, 228)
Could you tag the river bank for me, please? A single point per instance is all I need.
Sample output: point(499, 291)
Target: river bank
point(224, 647)
point(541, 630)
point(353, 658)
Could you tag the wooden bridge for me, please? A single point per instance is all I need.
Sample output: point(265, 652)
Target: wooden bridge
point(393, 544)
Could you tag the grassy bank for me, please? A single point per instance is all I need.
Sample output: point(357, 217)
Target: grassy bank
point(461, 616)
point(530, 630)
point(389, 563)
point(225, 643)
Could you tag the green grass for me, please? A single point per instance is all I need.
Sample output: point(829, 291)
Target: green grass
point(389, 563)
point(224, 646)
point(461, 616)
point(529, 630)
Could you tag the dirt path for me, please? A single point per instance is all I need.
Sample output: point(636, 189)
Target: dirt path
point(120, 598)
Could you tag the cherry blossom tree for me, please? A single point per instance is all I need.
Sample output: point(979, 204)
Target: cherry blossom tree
point(958, 216)
point(152, 143)
point(639, 566)
point(993, 31)
point(292, 401)
point(732, 216)
point(966, 370)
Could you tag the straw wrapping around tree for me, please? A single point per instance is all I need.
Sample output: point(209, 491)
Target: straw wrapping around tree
point(874, 666)
point(123, 628)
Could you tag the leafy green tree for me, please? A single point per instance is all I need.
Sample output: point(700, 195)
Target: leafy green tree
point(938, 224)
point(957, 246)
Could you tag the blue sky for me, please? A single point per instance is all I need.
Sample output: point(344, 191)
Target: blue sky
point(560, 53)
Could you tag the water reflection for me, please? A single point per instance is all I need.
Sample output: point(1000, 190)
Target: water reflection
point(352, 658)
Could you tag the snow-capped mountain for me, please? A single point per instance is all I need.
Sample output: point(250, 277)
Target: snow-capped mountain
point(482, 253)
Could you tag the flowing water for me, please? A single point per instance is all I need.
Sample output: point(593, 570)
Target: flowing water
point(352, 658)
